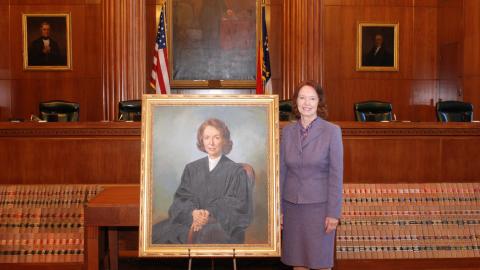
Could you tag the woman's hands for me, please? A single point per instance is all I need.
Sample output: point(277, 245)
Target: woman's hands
point(330, 224)
point(200, 218)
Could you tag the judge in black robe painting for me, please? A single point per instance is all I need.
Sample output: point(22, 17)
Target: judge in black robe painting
point(213, 204)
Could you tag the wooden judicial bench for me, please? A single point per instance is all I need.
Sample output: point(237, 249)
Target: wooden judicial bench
point(109, 153)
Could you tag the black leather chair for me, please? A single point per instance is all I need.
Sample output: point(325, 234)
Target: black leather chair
point(59, 111)
point(130, 110)
point(373, 111)
point(454, 111)
point(285, 108)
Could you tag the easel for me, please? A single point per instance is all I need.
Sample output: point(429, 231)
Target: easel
point(212, 267)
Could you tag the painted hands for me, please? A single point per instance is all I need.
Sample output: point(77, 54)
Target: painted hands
point(200, 218)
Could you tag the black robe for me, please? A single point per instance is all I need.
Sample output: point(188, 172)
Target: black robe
point(226, 192)
point(36, 57)
point(382, 58)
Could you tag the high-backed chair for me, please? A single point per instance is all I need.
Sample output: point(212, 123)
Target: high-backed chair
point(285, 108)
point(130, 110)
point(59, 111)
point(373, 111)
point(454, 111)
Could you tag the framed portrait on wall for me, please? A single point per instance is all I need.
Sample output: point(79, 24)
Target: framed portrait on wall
point(213, 43)
point(47, 41)
point(377, 47)
point(209, 179)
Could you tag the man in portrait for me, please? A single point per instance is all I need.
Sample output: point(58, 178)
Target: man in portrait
point(44, 51)
point(214, 202)
point(378, 55)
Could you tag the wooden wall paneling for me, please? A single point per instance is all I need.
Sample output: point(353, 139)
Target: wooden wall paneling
point(367, 161)
point(29, 92)
point(80, 84)
point(424, 43)
point(459, 159)
point(275, 37)
point(92, 39)
point(341, 39)
point(450, 20)
point(109, 153)
point(412, 89)
point(56, 153)
point(5, 100)
point(123, 51)
point(472, 38)
point(472, 94)
point(450, 72)
point(424, 94)
point(302, 43)
point(450, 35)
point(151, 33)
point(5, 84)
point(471, 55)
point(4, 46)
point(104, 161)
point(342, 94)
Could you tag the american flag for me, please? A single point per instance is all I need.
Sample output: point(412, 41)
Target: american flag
point(264, 84)
point(160, 79)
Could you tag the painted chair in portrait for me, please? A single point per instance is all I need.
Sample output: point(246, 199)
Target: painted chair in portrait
point(59, 111)
point(373, 111)
point(454, 111)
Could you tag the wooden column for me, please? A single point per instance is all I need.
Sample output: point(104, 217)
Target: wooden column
point(471, 55)
point(123, 53)
point(302, 43)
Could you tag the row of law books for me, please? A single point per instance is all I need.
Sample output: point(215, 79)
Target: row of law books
point(50, 247)
point(401, 221)
point(43, 223)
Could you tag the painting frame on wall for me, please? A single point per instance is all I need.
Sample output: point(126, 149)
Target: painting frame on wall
point(377, 46)
point(212, 45)
point(205, 199)
point(47, 41)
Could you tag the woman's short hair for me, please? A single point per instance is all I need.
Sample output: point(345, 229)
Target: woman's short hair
point(220, 126)
point(322, 105)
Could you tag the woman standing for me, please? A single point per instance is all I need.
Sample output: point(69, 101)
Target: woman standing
point(311, 173)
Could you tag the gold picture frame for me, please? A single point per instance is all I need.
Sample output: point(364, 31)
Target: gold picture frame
point(213, 45)
point(47, 41)
point(377, 47)
point(241, 196)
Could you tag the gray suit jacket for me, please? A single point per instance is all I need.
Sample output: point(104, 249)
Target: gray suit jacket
point(312, 171)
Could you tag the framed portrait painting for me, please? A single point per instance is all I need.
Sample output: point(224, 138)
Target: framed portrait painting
point(47, 41)
point(213, 43)
point(209, 179)
point(377, 47)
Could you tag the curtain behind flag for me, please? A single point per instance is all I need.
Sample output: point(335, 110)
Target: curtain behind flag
point(264, 84)
point(160, 79)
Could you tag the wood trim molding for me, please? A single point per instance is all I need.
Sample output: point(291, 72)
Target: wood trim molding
point(101, 129)
point(32, 129)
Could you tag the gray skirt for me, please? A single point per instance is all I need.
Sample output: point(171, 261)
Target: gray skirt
point(304, 241)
